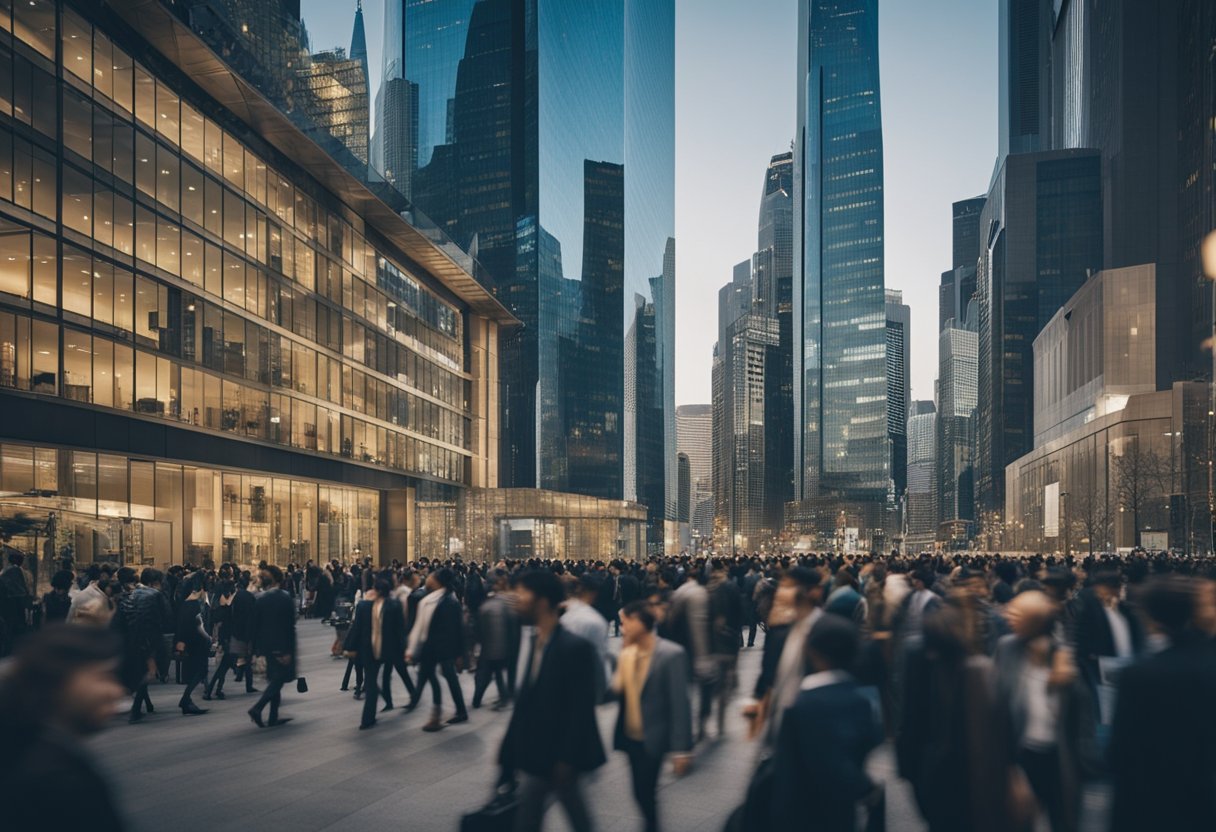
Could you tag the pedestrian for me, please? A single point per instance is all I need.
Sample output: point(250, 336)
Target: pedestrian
point(140, 619)
point(580, 617)
point(498, 634)
point(376, 634)
point(655, 717)
point(274, 638)
point(61, 687)
point(552, 739)
point(192, 643)
point(436, 642)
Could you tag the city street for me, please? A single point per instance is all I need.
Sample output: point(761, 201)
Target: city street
point(218, 772)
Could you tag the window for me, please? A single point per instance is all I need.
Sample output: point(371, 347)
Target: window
point(103, 292)
point(167, 184)
point(234, 220)
point(44, 184)
point(192, 194)
point(124, 225)
point(145, 164)
point(34, 23)
point(103, 65)
point(147, 311)
point(103, 213)
point(46, 268)
point(168, 113)
point(124, 376)
point(123, 151)
point(124, 301)
point(145, 97)
point(103, 372)
point(234, 280)
point(6, 166)
point(78, 124)
point(124, 78)
point(213, 204)
point(77, 201)
point(6, 79)
point(77, 366)
point(14, 351)
point(44, 358)
point(234, 162)
point(213, 147)
point(145, 385)
point(193, 133)
point(14, 261)
point(145, 234)
point(77, 281)
point(168, 245)
point(77, 37)
point(192, 258)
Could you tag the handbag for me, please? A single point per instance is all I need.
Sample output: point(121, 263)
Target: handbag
point(496, 816)
point(301, 685)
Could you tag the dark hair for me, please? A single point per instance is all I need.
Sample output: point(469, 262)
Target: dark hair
point(590, 582)
point(805, 577)
point(383, 586)
point(835, 639)
point(15, 557)
point(1169, 601)
point(446, 577)
point(151, 576)
point(643, 612)
point(62, 579)
point(543, 584)
point(276, 574)
point(127, 575)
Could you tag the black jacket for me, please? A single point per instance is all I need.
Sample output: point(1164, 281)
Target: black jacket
point(1163, 742)
point(554, 717)
point(392, 631)
point(274, 627)
point(241, 613)
point(445, 638)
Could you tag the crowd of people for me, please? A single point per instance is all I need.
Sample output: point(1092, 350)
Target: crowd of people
point(1005, 685)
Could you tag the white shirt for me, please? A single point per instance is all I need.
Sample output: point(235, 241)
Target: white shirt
point(1042, 708)
point(422, 624)
point(1120, 632)
point(824, 678)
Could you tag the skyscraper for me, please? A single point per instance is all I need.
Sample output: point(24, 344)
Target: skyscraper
point(695, 439)
point(957, 380)
point(920, 516)
point(545, 146)
point(841, 438)
point(958, 284)
point(1024, 50)
point(899, 388)
point(1044, 215)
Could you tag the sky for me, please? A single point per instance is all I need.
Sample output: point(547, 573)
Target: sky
point(736, 68)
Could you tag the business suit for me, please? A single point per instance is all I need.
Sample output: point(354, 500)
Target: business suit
point(553, 724)
point(666, 721)
point(498, 633)
point(274, 637)
point(390, 650)
point(822, 746)
point(1163, 741)
point(1093, 636)
point(442, 644)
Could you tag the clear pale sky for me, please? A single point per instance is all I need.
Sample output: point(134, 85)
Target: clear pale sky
point(735, 108)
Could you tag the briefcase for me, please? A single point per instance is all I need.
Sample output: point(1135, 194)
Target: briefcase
point(496, 816)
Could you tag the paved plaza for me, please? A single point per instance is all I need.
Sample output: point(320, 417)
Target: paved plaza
point(219, 772)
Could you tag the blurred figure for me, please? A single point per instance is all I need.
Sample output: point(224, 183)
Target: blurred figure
point(552, 737)
point(951, 744)
point(1163, 740)
point(1107, 635)
point(498, 634)
point(725, 642)
point(583, 619)
point(57, 602)
point(142, 616)
point(655, 718)
point(376, 635)
point(60, 687)
point(15, 597)
point(825, 738)
point(91, 606)
point(436, 641)
point(1049, 718)
point(192, 642)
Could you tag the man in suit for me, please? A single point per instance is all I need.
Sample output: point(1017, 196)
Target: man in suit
point(552, 738)
point(375, 637)
point(1103, 627)
point(436, 641)
point(825, 738)
point(498, 633)
point(1163, 740)
point(274, 637)
point(656, 715)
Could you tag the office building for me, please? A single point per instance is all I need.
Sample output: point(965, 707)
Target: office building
point(545, 147)
point(899, 387)
point(958, 284)
point(335, 89)
point(1044, 221)
point(957, 380)
point(216, 344)
point(1024, 54)
point(920, 502)
point(1116, 463)
point(842, 447)
point(695, 440)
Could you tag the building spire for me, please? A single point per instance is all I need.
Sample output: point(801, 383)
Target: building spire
point(358, 38)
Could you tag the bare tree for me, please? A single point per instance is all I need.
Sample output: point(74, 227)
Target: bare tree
point(1140, 476)
point(1091, 514)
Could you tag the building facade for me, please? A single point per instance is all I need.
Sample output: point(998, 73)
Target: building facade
point(957, 381)
point(545, 146)
point(842, 447)
point(1044, 221)
point(215, 343)
point(899, 387)
point(921, 510)
point(695, 439)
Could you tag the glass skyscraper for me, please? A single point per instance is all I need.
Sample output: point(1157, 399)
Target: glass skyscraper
point(841, 442)
point(546, 149)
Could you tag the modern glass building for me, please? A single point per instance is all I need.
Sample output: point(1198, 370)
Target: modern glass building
point(215, 342)
point(546, 148)
point(899, 386)
point(1043, 221)
point(840, 395)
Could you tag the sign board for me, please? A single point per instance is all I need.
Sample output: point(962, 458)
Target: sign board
point(1051, 510)
point(1155, 541)
point(851, 536)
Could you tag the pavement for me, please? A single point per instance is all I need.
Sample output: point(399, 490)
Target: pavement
point(219, 772)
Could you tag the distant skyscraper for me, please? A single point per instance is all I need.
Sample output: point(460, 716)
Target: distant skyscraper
point(545, 146)
point(336, 99)
point(920, 517)
point(899, 388)
point(958, 284)
point(842, 448)
point(1044, 215)
point(958, 356)
point(695, 439)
